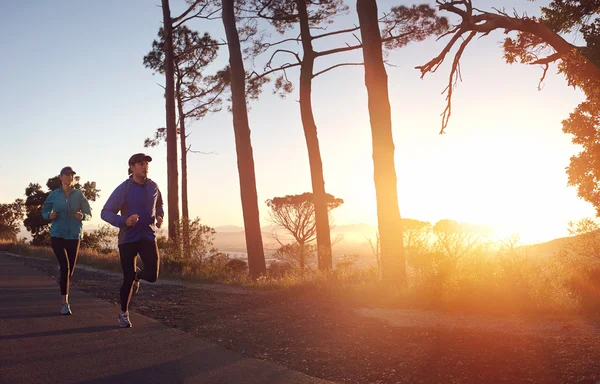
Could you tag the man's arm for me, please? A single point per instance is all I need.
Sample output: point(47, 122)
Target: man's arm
point(112, 206)
point(159, 204)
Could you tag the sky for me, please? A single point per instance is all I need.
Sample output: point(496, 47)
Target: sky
point(75, 92)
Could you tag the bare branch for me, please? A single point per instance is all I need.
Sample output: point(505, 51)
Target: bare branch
point(338, 50)
point(480, 22)
point(202, 153)
point(336, 32)
point(543, 77)
point(184, 14)
point(255, 76)
point(336, 66)
point(435, 63)
point(269, 45)
point(204, 105)
point(453, 78)
point(268, 65)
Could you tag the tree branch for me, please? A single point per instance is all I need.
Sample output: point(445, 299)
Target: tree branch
point(335, 66)
point(435, 63)
point(187, 11)
point(485, 22)
point(202, 153)
point(543, 77)
point(268, 65)
point(269, 45)
point(255, 76)
point(547, 60)
point(336, 33)
point(453, 78)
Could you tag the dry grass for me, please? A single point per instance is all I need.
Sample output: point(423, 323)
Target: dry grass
point(507, 283)
point(105, 261)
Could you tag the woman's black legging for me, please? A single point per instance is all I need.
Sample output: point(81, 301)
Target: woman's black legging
point(66, 251)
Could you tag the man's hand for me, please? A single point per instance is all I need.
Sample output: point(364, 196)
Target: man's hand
point(132, 220)
point(159, 220)
point(79, 215)
point(53, 215)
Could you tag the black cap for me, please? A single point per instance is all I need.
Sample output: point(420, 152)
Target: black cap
point(67, 170)
point(138, 157)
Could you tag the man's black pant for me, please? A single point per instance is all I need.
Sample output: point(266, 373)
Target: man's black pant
point(66, 251)
point(148, 252)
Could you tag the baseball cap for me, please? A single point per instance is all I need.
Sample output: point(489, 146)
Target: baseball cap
point(139, 157)
point(67, 170)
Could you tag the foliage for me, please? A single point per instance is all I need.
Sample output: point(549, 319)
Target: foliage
point(300, 257)
point(296, 214)
point(201, 252)
point(11, 216)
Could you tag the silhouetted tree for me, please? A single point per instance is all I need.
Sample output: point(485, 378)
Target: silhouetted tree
point(402, 26)
point(11, 216)
point(245, 158)
point(393, 265)
point(195, 94)
point(296, 214)
point(171, 124)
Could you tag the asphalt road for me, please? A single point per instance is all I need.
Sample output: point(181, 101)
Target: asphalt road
point(38, 345)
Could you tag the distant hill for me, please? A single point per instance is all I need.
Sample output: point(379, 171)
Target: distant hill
point(229, 228)
point(546, 249)
point(349, 239)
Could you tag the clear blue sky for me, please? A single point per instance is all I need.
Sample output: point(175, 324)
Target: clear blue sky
point(74, 91)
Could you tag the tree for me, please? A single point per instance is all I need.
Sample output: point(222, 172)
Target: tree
point(245, 158)
point(296, 214)
point(401, 26)
point(172, 172)
point(393, 267)
point(543, 41)
point(298, 11)
point(11, 215)
point(582, 249)
point(34, 223)
point(196, 95)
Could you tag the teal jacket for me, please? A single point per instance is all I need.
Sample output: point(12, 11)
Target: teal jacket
point(66, 225)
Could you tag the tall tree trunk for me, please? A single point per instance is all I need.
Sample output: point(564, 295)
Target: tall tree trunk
point(393, 266)
point(185, 230)
point(243, 144)
point(312, 142)
point(172, 172)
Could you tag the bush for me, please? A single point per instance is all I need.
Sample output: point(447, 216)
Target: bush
point(198, 258)
point(237, 266)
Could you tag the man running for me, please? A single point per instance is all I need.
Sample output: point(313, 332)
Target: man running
point(140, 204)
